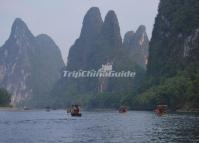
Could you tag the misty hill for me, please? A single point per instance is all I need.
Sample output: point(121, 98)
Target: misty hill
point(172, 71)
point(137, 45)
point(29, 65)
point(100, 43)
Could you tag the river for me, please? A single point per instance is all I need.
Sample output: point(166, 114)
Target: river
point(97, 127)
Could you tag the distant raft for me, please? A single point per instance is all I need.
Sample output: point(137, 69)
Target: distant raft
point(74, 110)
point(123, 109)
point(47, 109)
point(161, 110)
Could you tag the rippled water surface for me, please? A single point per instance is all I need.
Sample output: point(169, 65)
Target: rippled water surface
point(97, 127)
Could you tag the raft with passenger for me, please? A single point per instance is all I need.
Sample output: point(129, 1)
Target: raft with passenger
point(123, 109)
point(161, 110)
point(74, 110)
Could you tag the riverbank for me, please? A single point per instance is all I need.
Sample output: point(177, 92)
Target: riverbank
point(8, 109)
point(194, 110)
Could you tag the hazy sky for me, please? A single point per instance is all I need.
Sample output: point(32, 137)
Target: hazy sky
point(62, 19)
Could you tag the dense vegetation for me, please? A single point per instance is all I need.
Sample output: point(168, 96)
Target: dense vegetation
point(176, 20)
point(4, 97)
point(172, 73)
point(177, 92)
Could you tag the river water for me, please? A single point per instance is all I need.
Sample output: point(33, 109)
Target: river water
point(97, 127)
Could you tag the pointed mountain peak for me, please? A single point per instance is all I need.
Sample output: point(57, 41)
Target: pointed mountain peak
point(141, 34)
point(129, 35)
point(111, 13)
point(18, 21)
point(93, 10)
point(111, 24)
point(19, 29)
point(44, 37)
point(141, 29)
point(111, 17)
point(128, 38)
point(92, 23)
point(19, 25)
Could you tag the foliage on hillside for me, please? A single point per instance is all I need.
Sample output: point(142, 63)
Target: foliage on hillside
point(172, 71)
point(4, 97)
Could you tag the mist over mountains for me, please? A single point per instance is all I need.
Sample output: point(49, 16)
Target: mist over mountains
point(100, 42)
point(29, 65)
point(166, 67)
